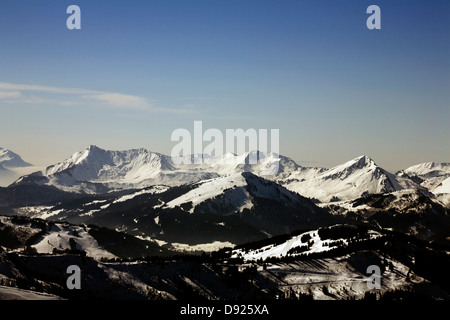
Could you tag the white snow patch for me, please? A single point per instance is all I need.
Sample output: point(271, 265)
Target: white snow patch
point(314, 243)
point(153, 190)
point(207, 247)
point(211, 188)
point(59, 237)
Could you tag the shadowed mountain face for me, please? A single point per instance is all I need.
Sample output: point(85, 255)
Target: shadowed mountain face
point(236, 208)
point(326, 263)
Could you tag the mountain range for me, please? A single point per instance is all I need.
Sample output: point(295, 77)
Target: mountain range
point(95, 170)
point(98, 171)
point(300, 232)
point(226, 200)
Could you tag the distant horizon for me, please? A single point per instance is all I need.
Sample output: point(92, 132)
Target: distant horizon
point(313, 70)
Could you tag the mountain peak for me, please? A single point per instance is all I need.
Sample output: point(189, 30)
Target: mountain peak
point(358, 163)
point(347, 181)
point(93, 147)
point(364, 160)
point(11, 160)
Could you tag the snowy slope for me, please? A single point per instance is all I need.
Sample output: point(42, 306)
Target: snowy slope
point(23, 234)
point(125, 198)
point(347, 181)
point(429, 175)
point(237, 192)
point(259, 163)
point(442, 191)
point(58, 237)
point(53, 236)
point(9, 293)
point(238, 198)
point(300, 174)
point(432, 176)
point(444, 187)
point(305, 243)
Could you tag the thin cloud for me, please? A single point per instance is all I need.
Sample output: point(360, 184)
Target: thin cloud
point(122, 101)
point(9, 94)
point(70, 95)
point(39, 88)
point(40, 100)
point(181, 111)
point(202, 98)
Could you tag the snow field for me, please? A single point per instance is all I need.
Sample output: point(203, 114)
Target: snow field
point(58, 237)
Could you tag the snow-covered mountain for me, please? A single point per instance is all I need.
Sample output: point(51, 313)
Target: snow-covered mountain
point(351, 180)
point(432, 176)
point(10, 159)
point(12, 167)
point(236, 192)
point(429, 169)
point(98, 171)
point(95, 170)
point(260, 163)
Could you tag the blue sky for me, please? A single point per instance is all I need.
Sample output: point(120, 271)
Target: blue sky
point(138, 70)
